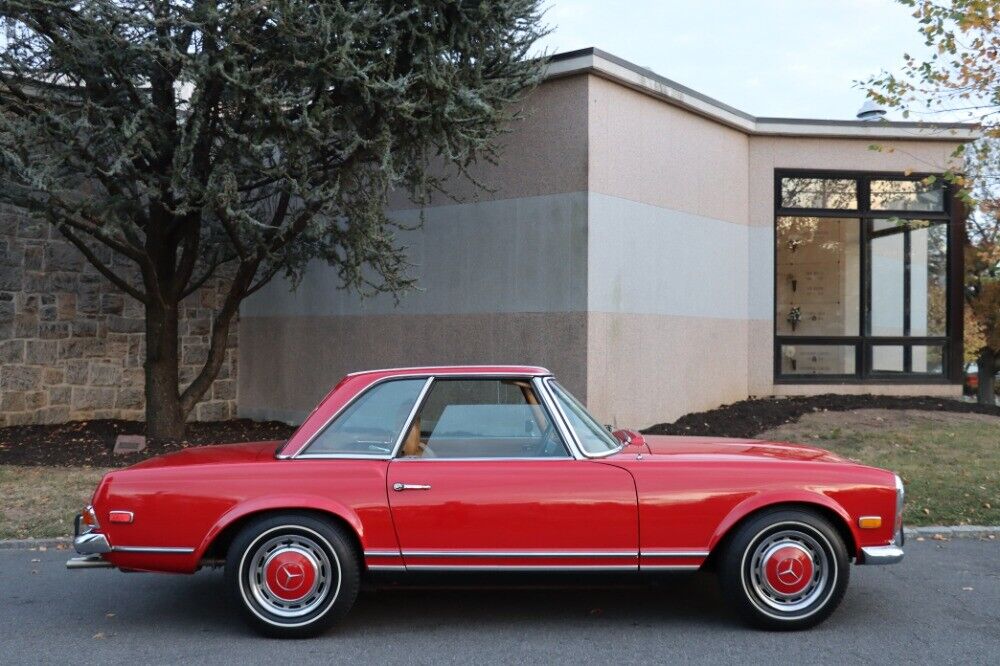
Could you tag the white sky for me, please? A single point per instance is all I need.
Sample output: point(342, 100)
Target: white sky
point(792, 58)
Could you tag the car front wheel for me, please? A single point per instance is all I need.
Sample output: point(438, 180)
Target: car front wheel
point(293, 575)
point(785, 569)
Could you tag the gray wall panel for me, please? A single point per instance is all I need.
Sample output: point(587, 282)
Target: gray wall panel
point(513, 255)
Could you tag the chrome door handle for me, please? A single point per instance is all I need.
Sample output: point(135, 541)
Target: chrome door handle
point(410, 486)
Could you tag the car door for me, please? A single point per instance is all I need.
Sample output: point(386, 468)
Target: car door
point(485, 480)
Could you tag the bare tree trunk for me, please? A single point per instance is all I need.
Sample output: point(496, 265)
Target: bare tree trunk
point(164, 415)
point(987, 373)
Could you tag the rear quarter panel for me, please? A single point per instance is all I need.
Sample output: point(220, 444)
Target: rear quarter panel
point(186, 507)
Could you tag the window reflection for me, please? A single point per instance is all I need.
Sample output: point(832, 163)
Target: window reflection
point(819, 193)
point(908, 271)
point(817, 359)
point(818, 276)
point(907, 195)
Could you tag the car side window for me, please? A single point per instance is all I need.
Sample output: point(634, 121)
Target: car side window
point(482, 418)
point(372, 423)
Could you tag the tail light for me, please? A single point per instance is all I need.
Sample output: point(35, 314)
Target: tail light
point(88, 520)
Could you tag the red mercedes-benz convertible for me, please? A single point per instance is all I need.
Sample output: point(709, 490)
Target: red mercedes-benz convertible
point(491, 469)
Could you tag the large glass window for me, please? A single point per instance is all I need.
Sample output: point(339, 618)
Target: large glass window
point(818, 276)
point(861, 277)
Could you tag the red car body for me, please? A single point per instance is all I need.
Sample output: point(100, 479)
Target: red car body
point(657, 503)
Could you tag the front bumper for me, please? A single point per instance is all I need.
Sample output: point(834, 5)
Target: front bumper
point(890, 554)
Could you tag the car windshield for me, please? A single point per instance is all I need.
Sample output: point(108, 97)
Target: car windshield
point(594, 438)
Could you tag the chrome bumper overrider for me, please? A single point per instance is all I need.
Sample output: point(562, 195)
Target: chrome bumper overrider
point(91, 543)
point(881, 554)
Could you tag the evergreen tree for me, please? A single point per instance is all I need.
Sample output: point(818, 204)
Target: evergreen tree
point(196, 139)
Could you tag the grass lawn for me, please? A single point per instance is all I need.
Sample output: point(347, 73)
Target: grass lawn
point(949, 462)
point(41, 501)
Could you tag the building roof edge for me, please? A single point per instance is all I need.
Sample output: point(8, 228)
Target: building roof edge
point(606, 65)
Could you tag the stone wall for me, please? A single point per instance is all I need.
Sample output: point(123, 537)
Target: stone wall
point(72, 345)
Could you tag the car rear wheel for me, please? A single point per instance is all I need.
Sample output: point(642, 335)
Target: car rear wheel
point(785, 569)
point(292, 575)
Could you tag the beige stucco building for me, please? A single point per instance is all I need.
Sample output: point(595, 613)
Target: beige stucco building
point(660, 252)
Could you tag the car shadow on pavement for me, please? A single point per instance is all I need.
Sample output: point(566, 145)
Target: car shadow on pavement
point(200, 603)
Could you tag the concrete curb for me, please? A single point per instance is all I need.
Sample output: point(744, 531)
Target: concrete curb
point(949, 531)
point(954, 531)
point(32, 544)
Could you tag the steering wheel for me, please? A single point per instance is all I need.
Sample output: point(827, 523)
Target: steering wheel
point(550, 445)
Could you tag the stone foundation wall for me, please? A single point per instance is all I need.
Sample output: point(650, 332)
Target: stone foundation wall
point(72, 345)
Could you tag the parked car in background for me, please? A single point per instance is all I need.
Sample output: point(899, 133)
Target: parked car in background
point(972, 379)
point(494, 470)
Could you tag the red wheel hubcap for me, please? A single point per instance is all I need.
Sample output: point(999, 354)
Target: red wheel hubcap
point(789, 570)
point(290, 575)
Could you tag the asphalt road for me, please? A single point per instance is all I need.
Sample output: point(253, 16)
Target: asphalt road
point(941, 605)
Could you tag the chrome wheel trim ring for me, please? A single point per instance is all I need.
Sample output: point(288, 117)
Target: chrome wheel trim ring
point(327, 595)
point(800, 604)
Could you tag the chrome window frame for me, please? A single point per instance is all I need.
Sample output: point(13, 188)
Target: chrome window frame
point(536, 384)
point(547, 381)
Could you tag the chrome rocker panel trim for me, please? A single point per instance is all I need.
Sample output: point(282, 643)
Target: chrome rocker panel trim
point(153, 550)
point(890, 554)
point(520, 567)
point(521, 554)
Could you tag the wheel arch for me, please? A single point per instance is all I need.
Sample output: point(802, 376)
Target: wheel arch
point(754, 506)
point(218, 538)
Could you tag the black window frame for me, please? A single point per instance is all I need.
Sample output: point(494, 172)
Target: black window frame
point(952, 215)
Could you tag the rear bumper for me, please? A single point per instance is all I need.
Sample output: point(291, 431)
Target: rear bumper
point(91, 546)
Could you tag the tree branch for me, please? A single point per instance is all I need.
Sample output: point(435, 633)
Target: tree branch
point(209, 271)
point(117, 280)
point(220, 335)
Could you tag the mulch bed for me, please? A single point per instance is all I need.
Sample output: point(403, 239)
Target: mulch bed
point(749, 418)
point(91, 442)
